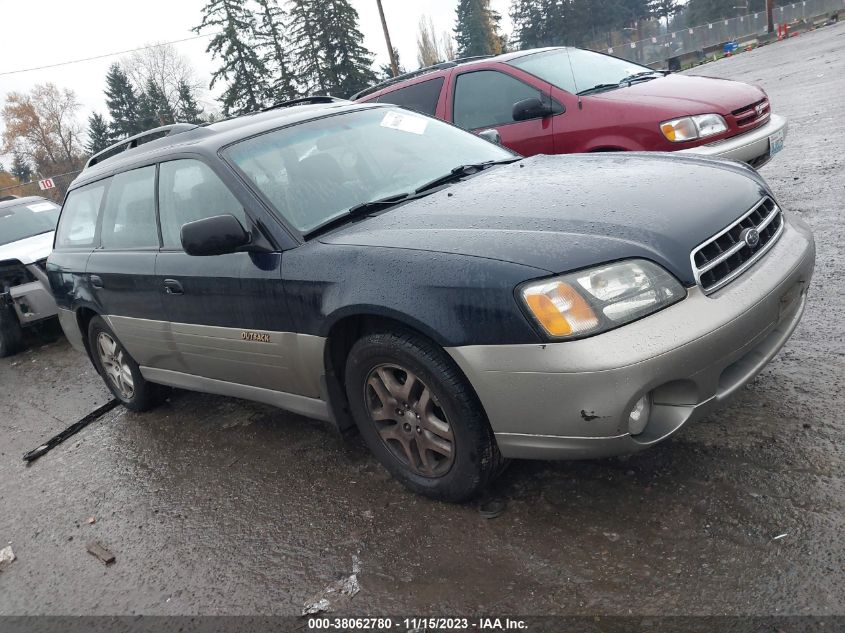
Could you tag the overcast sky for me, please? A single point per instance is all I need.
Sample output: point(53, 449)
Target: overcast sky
point(42, 32)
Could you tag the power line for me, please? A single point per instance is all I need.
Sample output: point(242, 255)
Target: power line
point(88, 59)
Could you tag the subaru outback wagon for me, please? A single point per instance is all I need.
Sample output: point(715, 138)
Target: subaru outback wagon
point(373, 267)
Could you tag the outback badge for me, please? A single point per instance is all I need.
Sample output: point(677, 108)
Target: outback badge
point(259, 337)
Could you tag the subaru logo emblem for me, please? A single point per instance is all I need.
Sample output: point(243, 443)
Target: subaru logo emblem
point(751, 237)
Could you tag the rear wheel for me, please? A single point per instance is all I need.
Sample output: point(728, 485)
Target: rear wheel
point(419, 416)
point(119, 370)
point(11, 333)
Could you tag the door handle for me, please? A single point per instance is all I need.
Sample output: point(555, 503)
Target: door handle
point(96, 281)
point(173, 287)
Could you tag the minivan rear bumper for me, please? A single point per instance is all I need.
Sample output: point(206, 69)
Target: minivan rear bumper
point(753, 147)
point(572, 400)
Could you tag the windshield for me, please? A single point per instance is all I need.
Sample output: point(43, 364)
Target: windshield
point(316, 171)
point(587, 69)
point(25, 220)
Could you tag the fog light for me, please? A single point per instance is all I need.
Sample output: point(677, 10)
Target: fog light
point(638, 417)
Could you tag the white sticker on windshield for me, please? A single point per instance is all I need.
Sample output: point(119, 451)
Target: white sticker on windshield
point(41, 206)
point(404, 122)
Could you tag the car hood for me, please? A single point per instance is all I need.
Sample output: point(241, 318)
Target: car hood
point(561, 213)
point(29, 250)
point(687, 94)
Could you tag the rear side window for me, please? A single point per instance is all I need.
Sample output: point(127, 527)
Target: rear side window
point(421, 97)
point(486, 97)
point(129, 216)
point(78, 223)
point(187, 191)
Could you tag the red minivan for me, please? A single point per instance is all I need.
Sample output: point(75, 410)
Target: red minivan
point(564, 100)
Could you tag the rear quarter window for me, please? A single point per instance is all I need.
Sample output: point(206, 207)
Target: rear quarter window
point(129, 215)
point(421, 97)
point(78, 222)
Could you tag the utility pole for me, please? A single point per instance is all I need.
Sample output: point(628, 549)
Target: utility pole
point(770, 6)
point(393, 65)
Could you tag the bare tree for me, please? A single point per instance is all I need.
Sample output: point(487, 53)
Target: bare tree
point(43, 128)
point(428, 51)
point(447, 46)
point(165, 67)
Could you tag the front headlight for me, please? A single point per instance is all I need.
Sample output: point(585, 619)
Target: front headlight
point(599, 299)
point(690, 128)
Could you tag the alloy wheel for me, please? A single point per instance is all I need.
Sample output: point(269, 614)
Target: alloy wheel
point(113, 361)
point(409, 420)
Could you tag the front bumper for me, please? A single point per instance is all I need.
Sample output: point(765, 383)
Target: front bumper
point(571, 400)
point(753, 147)
point(33, 301)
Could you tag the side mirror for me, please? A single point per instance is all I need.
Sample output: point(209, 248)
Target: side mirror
point(531, 109)
point(218, 235)
point(491, 135)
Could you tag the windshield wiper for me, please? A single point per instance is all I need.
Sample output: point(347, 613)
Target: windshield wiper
point(599, 88)
point(374, 205)
point(643, 76)
point(460, 171)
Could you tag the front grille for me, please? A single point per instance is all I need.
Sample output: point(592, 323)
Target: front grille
point(727, 254)
point(752, 115)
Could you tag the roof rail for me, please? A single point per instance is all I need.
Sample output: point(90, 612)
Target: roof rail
point(416, 73)
point(133, 141)
point(313, 99)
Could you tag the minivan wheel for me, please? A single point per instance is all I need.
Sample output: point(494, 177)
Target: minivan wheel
point(119, 370)
point(419, 416)
point(11, 333)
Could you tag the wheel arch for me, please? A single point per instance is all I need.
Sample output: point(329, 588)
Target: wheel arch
point(84, 314)
point(342, 333)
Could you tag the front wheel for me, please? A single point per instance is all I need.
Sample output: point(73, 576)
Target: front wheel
point(11, 334)
point(419, 416)
point(119, 370)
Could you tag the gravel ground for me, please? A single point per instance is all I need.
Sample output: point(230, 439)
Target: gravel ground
point(216, 506)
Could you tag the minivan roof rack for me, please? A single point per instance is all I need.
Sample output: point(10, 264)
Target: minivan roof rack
point(310, 100)
point(416, 73)
point(134, 141)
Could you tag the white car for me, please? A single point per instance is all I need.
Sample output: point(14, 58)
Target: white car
point(27, 226)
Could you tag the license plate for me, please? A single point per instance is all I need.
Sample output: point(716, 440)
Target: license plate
point(776, 142)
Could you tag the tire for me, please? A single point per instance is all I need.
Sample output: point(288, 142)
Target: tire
point(11, 333)
point(119, 370)
point(439, 410)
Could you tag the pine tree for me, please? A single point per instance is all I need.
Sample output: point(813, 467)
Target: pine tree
point(385, 71)
point(349, 63)
point(122, 103)
point(270, 40)
point(477, 29)
point(99, 135)
point(160, 108)
point(240, 64)
point(20, 168)
point(663, 9)
point(704, 11)
point(306, 47)
point(187, 109)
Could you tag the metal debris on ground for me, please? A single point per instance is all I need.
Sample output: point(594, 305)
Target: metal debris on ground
point(73, 429)
point(96, 548)
point(91, 520)
point(7, 557)
point(345, 587)
point(780, 536)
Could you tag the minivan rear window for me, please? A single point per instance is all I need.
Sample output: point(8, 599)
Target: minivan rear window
point(421, 97)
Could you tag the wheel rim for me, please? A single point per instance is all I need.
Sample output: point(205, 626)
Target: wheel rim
point(113, 360)
point(409, 420)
